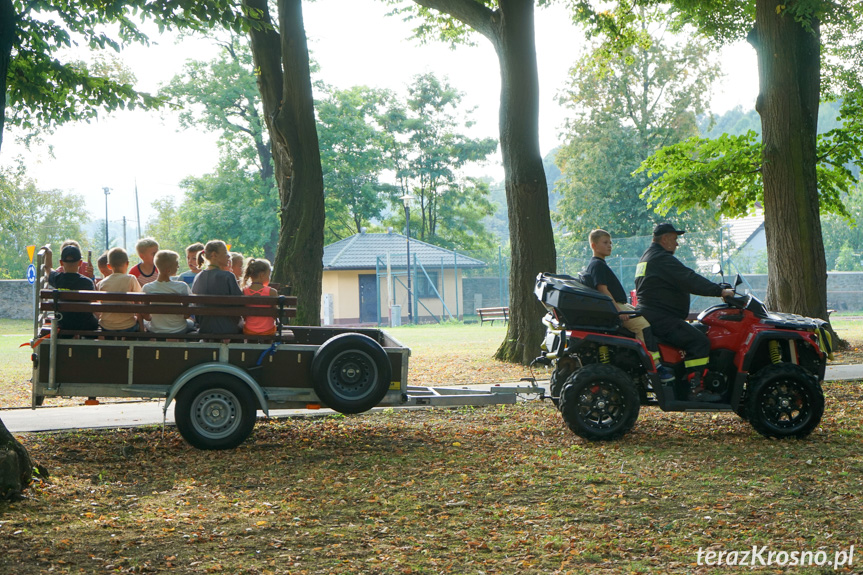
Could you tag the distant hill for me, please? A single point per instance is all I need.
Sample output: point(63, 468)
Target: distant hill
point(738, 121)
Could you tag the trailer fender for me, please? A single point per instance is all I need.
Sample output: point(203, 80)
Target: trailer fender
point(215, 367)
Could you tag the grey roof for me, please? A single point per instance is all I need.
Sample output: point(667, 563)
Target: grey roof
point(743, 230)
point(361, 252)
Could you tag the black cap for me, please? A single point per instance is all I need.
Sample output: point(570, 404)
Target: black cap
point(70, 254)
point(666, 228)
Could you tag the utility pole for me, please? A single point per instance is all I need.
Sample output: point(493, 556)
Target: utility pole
point(407, 201)
point(124, 232)
point(107, 191)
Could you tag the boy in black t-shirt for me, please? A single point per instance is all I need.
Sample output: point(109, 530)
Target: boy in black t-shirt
point(70, 279)
point(607, 283)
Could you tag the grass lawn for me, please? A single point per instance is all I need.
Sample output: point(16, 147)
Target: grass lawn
point(15, 366)
point(494, 490)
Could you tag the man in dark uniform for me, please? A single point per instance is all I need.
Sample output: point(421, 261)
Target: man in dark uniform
point(663, 285)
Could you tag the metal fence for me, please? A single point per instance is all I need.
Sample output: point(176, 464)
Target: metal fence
point(489, 286)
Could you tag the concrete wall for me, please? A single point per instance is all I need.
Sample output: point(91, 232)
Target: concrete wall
point(16, 299)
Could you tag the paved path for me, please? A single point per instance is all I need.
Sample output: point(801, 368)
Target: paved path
point(137, 413)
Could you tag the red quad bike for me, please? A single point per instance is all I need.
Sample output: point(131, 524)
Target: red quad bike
point(767, 367)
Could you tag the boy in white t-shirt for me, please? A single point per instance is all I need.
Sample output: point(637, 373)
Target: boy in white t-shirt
point(119, 281)
point(168, 262)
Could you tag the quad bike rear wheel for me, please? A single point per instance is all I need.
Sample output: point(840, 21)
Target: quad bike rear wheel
point(599, 402)
point(784, 400)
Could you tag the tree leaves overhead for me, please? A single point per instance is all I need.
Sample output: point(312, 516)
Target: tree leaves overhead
point(45, 88)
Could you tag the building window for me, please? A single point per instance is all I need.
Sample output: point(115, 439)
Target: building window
point(426, 286)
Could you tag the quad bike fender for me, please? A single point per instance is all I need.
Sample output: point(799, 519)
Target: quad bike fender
point(578, 338)
point(737, 391)
point(762, 337)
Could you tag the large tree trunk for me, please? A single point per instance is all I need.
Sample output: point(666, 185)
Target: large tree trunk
point(510, 29)
point(16, 467)
point(530, 231)
point(789, 77)
point(7, 38)
point(282, 62)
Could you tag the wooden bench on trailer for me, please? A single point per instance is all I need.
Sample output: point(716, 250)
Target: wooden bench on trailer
point(282, 308)
point(492, 313)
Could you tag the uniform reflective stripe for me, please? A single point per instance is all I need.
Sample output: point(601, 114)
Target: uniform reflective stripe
point(696, 362)
point(656, 356)
point(640, 269)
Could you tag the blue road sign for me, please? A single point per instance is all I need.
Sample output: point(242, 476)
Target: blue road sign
point(31, 274)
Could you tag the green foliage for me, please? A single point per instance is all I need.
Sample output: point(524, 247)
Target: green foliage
point(33, 217)
point(222, 96)
point(627, 107)
point(697, 173)
point(231, 204)
point(848, 260)
point(238, 202)
point(428, 152)
point(44, 91)
point(353, 158)
point(844, 233)
point(726, 171)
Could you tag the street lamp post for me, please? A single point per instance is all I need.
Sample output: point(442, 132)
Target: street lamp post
point(107, 191)
point(407, 201)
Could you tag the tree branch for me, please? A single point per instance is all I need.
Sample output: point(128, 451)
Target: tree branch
point(480, 18)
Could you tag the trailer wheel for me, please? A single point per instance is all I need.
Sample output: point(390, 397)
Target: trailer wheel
point(784, 400)
point(351, 373)
point(599, 402)
point(215, 411)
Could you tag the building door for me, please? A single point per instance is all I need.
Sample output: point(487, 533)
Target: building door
point(368, 298)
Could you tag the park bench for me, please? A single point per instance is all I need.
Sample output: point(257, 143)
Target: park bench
point(283, 308)
point(492, 313)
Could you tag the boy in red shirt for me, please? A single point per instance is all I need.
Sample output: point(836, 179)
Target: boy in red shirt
point(145, 272)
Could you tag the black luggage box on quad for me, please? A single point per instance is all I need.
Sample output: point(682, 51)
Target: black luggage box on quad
point(578, 306)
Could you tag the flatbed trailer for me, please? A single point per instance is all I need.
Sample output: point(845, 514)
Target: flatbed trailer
point(219, 381)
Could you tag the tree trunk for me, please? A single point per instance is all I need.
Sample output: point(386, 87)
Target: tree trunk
point(789, 73)
point(7, 38)
point(530, 232)
point(510, 29)
point(16, 467)
point(282, 62)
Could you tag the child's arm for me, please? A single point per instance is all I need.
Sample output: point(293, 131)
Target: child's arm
point(47, 264)
point(603, 289)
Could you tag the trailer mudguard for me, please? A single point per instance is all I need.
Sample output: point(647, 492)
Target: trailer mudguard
point(216, 367)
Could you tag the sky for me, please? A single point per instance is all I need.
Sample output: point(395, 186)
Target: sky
point(360, 46)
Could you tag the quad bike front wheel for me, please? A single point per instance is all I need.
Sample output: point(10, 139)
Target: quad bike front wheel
point(784, 400)
point(599, 402)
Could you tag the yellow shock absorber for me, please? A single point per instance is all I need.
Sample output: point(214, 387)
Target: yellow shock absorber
point(775, 351)
point(604, 354)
